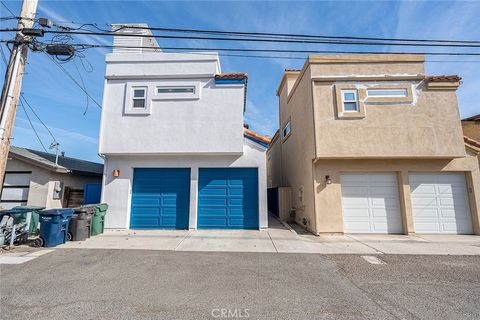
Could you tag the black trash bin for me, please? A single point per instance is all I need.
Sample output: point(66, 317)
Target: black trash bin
point(79, 226)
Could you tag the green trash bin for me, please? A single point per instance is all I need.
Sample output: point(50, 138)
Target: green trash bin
point(98, 220)
point(34, 220)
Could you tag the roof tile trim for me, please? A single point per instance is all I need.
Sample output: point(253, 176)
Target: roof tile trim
point(254, 135)
point(240, 75)
point(450, 78)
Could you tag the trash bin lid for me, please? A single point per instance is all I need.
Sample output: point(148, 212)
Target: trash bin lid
point(13, 211)
point(102, 206)
point(56, 212)
point(29, 208)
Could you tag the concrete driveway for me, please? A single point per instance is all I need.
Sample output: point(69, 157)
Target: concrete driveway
point(280, 239)
point(151, 284)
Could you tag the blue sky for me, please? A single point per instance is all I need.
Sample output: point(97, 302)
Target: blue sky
point(61, 104)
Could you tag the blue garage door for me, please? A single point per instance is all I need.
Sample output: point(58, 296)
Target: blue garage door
point(228, 198)
point(160, 198)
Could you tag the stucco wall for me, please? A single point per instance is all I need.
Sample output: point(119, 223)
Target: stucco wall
point(356, 65)
point(329, 197)
point(42, 183)
point(209, 121)
point(298, 150)
point(428, 127)
point(117, 191)
point(174, 126)
point(274, 163)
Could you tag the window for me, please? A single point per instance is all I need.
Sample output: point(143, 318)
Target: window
point(350, 100)
point(183, 89)
point(286, 130)
point(177, 90)
point(393, 93)
point(139, 98)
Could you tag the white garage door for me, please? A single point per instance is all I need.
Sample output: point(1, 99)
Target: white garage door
point(15, 189)
point(440, 203)
point(370, 203)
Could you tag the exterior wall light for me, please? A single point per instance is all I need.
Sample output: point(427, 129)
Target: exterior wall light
point(116, 173)
point(328, 180)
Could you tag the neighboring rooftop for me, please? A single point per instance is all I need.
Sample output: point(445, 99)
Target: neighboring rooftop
point(472, 118)
point(262, 140)
point(47, 161)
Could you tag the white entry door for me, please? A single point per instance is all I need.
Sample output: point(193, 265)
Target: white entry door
point(371, 203)
point(440, 203)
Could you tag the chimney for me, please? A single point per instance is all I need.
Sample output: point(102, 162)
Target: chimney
point(125, 37)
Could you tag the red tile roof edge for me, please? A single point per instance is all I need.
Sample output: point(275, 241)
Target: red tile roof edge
point(238, 75)
point(254, 135)
point(450, 78)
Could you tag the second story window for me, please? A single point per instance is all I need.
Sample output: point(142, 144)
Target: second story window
point(139, 98)
point(350, 100)
point(389, 93)
point(179, 89)
point(287, 129)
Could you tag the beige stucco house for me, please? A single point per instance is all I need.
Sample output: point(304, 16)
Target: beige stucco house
point(370, 144)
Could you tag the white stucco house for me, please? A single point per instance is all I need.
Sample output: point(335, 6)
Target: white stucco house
point(177, 155)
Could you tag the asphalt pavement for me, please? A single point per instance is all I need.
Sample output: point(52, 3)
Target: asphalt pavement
point(143, 284)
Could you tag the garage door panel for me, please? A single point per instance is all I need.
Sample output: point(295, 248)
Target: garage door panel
point(370, 203)
point(442, 206)
point(355, 202)
point(160, 198)
point(356, 226)
point(428, 213)
point(145, 222)
point(353, 191)
point(222, 192)
point(213, 211)
point(237, 208)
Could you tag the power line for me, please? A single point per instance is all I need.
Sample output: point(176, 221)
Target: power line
point(4, 58)
point(270, 34)
point(37, 116)
point(8, 9)
point(75, 81)
point(33, 127)
point(87, 46)
point(306, 41)
point(294, 35)
point(269, 40)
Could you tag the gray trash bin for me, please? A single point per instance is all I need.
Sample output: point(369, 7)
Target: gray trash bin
point(79, 227)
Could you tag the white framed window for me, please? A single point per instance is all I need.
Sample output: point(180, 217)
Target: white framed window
point(388, 93)
point(139, 97)
point(350, 101)
point(177, 90)
point(287, 129)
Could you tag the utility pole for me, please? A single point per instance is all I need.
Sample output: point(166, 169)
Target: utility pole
point(13, 81)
